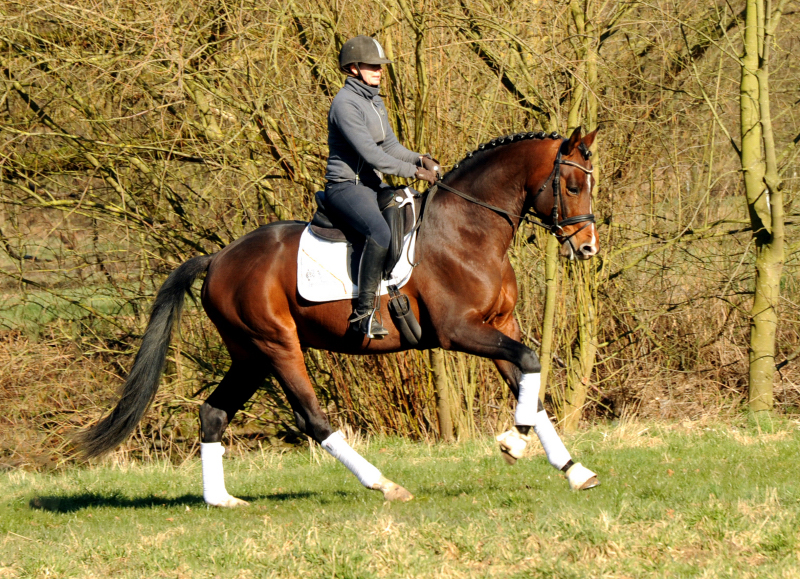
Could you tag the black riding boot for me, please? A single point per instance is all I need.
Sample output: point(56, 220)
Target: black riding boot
point(370, 272)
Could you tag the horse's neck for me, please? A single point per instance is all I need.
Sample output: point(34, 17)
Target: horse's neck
point(458, 223)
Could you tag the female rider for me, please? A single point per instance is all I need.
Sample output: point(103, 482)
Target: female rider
point(362, 149)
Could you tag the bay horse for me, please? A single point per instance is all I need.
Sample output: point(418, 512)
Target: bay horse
point(463, 292)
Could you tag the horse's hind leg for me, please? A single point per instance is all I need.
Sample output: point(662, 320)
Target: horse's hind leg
point(236, 388)
point(289, 366)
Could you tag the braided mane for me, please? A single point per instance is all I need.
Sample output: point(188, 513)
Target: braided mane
point(473, 157)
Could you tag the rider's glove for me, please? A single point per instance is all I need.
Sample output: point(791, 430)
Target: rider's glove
point(424, 174)
point(431, 165)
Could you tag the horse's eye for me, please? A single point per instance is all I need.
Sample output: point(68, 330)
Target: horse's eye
point(573, 190)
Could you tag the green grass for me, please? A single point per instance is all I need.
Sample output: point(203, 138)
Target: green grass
point(709, 500)
point(35, 309)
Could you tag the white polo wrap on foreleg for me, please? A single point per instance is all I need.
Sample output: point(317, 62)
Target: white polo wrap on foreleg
point(528, 399)
point(338, 448)
point(556, 452)
point(214, 492)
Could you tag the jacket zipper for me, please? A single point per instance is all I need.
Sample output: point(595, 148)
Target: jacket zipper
point(380, 119)
point(383, 132)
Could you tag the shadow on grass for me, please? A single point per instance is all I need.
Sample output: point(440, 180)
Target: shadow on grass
point(77, 502)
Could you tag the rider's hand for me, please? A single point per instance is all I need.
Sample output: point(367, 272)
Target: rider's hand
point(430, 164)
point(424, 174)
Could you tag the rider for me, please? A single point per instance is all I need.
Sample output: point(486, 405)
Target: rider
point(362, 149)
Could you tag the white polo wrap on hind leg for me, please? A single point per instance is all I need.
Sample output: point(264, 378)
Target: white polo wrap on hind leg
point(214, 492)
point(338, 448)
point(528, 399)
point(556, 452)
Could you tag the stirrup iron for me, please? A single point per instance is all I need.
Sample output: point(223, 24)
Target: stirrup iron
point(367, 324)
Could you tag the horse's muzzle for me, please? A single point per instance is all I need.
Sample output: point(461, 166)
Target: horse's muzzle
point(586, 250)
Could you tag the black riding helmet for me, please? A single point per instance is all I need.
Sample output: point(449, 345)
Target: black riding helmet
point(361, 49)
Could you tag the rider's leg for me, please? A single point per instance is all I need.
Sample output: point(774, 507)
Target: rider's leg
point(356, 206)
point(370, 273)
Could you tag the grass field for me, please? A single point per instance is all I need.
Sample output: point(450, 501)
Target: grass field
point(690, 500)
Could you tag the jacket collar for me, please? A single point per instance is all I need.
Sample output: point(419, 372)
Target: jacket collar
point(361, 89)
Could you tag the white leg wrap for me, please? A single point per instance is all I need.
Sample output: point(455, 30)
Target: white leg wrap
point(528, 399)
point(556, 452)
point(214, 492)
point(512, 444)
point(580, 477)
point(337, 446)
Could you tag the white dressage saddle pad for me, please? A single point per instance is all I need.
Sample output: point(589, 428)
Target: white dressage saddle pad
point(323, 272)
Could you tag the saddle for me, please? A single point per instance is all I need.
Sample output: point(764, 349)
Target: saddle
point(398, 206)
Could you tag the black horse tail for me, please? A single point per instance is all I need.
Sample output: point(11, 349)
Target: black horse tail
point(142, 383)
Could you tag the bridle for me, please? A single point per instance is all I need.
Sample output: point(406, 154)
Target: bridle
point(557, 226)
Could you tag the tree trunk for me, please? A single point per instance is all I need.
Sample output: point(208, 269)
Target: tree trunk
point(764, 199)
point(551, 295)
point(416, 19)
point(583, 280)
point(582, 362)
point(442, 392)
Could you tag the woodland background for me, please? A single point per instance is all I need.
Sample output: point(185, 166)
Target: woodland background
point(138, 134)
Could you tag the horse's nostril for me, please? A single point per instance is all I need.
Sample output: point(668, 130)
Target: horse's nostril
point(587, 249)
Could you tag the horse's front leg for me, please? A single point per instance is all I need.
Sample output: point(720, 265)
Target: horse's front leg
point(520, 367)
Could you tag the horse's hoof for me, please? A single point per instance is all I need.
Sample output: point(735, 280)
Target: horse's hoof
point(229, 502)
point(590, 484)
point(393, 491)
point(581, 478)
point(512, 445)
point(510, 460)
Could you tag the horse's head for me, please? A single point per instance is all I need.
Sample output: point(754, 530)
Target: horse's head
point(565, 197)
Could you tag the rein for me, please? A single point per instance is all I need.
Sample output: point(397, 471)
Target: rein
point(557, 226)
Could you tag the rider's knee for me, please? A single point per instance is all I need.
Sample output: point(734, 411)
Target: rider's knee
point(381, 234)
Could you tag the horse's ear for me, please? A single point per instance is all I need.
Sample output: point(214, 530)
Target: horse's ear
point(574, 140)
point(589, 139)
